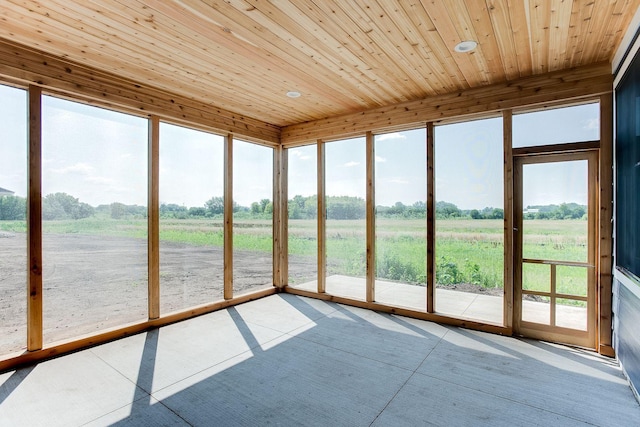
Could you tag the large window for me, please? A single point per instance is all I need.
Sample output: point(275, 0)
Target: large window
point(303, 217)
point(401, 229)
point(577, 123)
point(13, 192)
point(94, 212)
point(191, 217)
point(345, 195)
point(252, 217)
point(469, 220)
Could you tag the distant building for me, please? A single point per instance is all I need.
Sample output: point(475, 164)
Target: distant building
point(4, 192)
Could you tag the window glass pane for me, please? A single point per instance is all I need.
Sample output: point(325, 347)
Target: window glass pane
point(345, 188)
point(557, 126)
point(191, 217)
point(303, 217)
point(252, 217)
point(469, 220)
point(401, 229)
point(13, 238)
point(94, 182)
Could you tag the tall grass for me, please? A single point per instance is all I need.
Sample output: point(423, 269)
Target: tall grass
point(467, 251)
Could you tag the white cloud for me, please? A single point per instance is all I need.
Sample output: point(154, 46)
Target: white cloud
point(394, 135)
point(380, 159)
point(299, 154)
point(592, 124)
point(399, 181)
point(81, 168)
point(100, 180)
point(351, 164)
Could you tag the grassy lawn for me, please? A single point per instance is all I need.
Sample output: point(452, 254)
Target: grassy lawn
point(469, 251)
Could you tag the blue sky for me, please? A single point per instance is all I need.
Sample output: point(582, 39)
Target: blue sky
point(100, 157)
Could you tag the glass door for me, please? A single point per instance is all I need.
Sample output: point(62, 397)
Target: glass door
point(555, 251)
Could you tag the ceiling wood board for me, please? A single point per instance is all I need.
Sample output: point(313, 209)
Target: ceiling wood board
point(575, 85)
point(74, 81)
point(343, 57)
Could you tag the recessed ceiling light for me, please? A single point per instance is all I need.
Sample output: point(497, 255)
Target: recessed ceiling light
point(465, 46)
point(293, 94)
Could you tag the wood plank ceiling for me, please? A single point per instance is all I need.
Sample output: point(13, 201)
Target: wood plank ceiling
point(342, 56)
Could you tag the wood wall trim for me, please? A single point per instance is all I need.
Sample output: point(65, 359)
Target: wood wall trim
point(547, 89)
point(34, 219)
point(322, 220)
point(280, 216)
point(370, 219)
point(593, 216)
point(571, 147)
point(508, 282)
point(95, 87)
point(605, 232)
point(431, 220)
point(153, 220)
point(61, 348)
point(421, 315)
point(228, 217)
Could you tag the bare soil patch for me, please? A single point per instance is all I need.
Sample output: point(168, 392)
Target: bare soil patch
point(91, 283)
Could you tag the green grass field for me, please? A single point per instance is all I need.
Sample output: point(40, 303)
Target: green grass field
point(467, 251)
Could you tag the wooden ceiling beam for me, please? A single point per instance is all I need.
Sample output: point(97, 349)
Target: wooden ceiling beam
point(547, 89)
point(103, 89)
point(65, 78)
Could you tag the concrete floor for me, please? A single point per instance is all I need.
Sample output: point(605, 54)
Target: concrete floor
point(463, 305)
point(289, 360)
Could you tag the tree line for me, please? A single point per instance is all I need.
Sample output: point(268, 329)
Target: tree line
point(62, 206)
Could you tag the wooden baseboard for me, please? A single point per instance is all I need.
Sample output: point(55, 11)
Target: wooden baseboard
point(607, 350)
point(17, 360)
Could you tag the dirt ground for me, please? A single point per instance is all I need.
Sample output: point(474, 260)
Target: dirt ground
point(91, 283)
point(473, 289)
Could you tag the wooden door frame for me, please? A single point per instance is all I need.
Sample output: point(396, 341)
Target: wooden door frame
point(551, 154)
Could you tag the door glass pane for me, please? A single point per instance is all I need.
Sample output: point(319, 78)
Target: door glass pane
point(94, 209)
point(536, 277)
point(345, 187)
point(13, 210)
point(555, 232)
point(252, 217)
point(555, 211)
point(303, 217)
point(191, 218)
point(470, 220)
point(571, 314)
point(401, 228)
point(536, 309)
point(572, 280)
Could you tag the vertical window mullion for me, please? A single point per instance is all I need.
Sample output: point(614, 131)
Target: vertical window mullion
point(228, 217)
point(431, 224)
point(370, 220)
point(154, 218)
point(322, 221)
point(34, 227)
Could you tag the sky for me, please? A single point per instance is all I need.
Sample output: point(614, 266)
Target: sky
point(100, 157)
